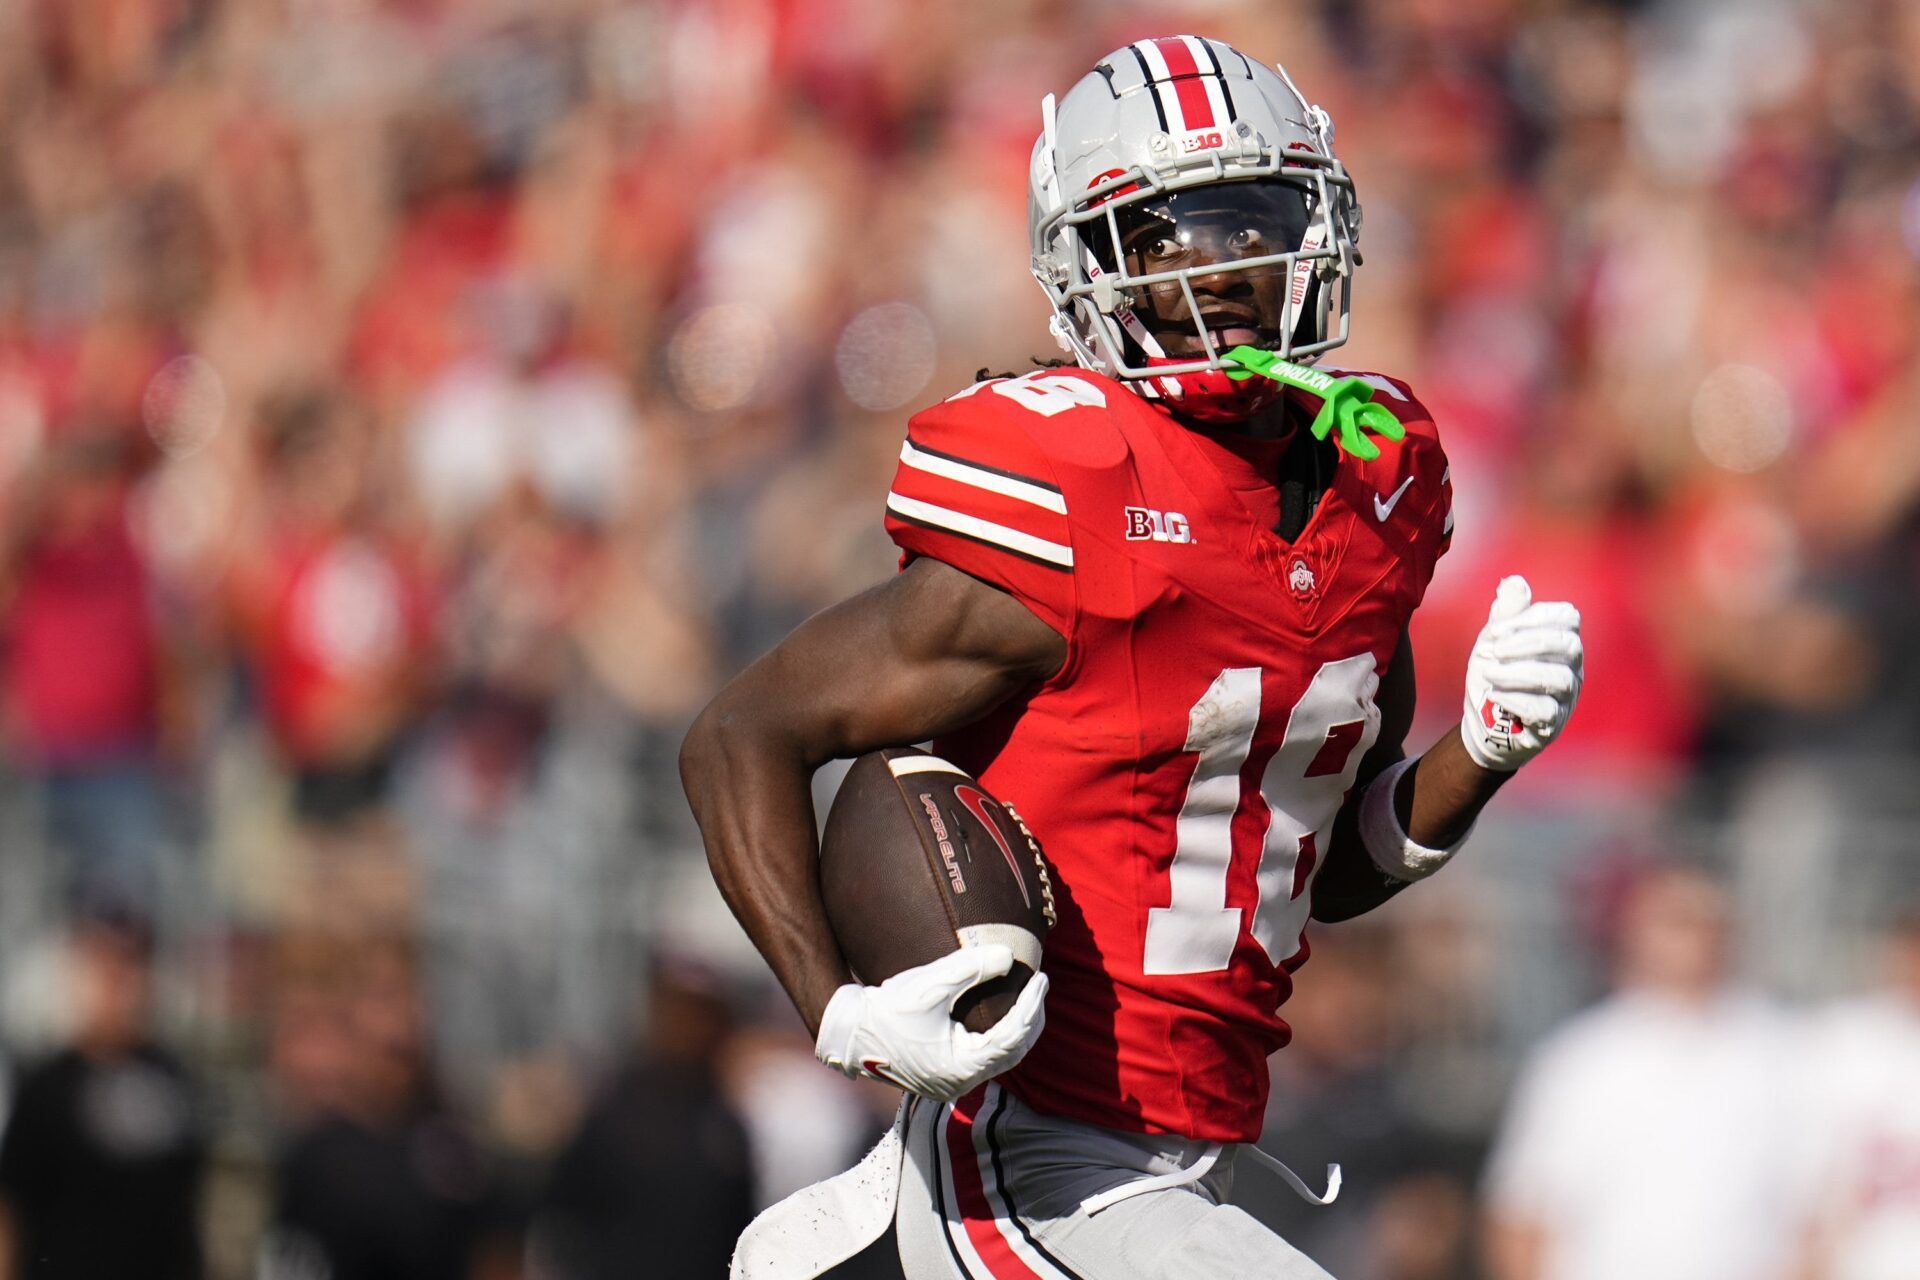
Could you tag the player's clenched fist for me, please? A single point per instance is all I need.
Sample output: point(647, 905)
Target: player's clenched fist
point(1523, 677)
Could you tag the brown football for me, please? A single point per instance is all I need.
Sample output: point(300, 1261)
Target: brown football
point(918, 861)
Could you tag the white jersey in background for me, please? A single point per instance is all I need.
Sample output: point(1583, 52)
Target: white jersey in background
point(1862, 1133)
point(1649, 1138)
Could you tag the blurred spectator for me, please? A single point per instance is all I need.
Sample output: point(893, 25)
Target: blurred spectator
point(1648, 1136)
point(101, 1162)
point(527, 409)
point(1862, 1125)
point(380, 1181)
point(658, 1181)
point(336, 609)
point(86, 674)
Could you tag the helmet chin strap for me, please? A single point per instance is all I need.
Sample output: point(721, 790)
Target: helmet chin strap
point(1170, 387)
point(1303, 268)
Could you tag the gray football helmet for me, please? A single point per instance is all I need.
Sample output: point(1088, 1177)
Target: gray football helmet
point(1136, 192)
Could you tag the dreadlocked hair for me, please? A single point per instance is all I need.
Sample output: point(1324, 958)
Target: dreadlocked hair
point(984, 374)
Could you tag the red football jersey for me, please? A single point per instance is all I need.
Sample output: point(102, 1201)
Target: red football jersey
point(1184, 767)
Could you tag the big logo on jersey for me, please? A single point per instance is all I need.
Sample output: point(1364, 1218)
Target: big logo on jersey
point(1147, 525)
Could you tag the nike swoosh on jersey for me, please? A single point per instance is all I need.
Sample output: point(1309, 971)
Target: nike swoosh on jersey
point(1383, 507)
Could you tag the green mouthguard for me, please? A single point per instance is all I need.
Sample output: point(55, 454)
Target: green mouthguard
point(1347, 411)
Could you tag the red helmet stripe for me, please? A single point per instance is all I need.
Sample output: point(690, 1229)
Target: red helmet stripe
point(1213, 78)
point(1185, 72)
point(1202, 55)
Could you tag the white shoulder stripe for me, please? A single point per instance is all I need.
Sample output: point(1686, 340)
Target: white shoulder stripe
point(1000, 535)
point(901, 766)
point(981, 478)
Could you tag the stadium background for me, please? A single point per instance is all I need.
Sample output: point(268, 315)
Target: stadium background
point(411, 409)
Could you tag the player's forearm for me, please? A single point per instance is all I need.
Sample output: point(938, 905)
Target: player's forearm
point(751, 793)
point(930, 650)
point(1436, 801)
point(1439, 799)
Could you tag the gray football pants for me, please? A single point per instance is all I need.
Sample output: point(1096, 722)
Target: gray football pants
point(993, 1190)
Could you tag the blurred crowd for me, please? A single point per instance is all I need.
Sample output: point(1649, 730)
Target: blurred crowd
point(410, 410)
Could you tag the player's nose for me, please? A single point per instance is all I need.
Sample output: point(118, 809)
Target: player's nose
point(1218, 289)
point(1220, 279)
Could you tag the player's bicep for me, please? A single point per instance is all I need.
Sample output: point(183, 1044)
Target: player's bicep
point(930, 651)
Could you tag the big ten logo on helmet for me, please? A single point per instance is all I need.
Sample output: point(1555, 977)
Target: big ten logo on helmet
point(1202, 140)
point(1144, 525)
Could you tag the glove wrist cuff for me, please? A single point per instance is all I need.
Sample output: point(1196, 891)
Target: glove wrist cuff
point(1396, 853)
point(839, 1025)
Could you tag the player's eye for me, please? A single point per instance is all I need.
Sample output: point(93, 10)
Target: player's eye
point(1162, 247)
point(1246, 242)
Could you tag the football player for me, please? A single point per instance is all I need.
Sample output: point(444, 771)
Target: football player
point(1156, 603)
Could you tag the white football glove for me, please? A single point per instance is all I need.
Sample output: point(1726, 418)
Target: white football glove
point(1522, 679)
point(903, 1031)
